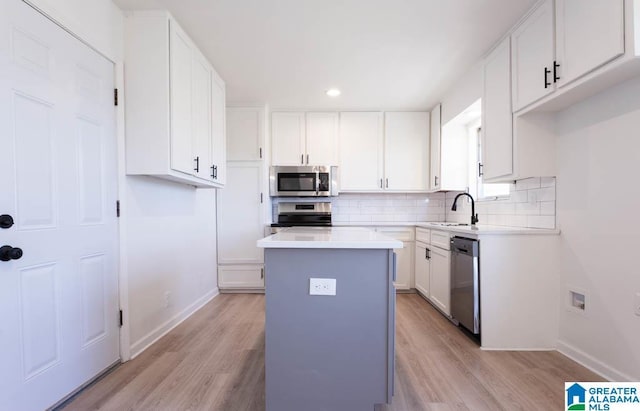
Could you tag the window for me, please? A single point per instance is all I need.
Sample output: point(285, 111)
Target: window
point(483, 191)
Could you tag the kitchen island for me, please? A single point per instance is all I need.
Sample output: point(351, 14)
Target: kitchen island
point(329, 352)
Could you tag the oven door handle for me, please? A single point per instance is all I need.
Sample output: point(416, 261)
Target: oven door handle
point(317, 183)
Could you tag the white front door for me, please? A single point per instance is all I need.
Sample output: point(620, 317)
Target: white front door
point(58, 181)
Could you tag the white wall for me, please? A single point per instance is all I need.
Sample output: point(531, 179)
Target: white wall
point(171, 235)
point(97, 22)
point(168, 230)
point(466, 91)
point(598, 200)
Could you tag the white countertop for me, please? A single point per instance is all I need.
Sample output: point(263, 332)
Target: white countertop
point(485, 229)
point(329, 237)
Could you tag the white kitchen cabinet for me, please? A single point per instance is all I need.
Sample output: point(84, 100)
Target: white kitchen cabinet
point(406, 148)
point(361, 151)
point(245, 133)
point(240, 214)
point(201, 115)
point(321, 139)
point(533, 57)
point(181, 87)
point(236, 277)
point(440, 279)
point(588, 35)
point(389, 155)
point(287, 139)
point(299, 138)
point(422, 270)
point(434, 152)
point(497, 117)
point(404, 256)
point(218, 165)
point(171, 103)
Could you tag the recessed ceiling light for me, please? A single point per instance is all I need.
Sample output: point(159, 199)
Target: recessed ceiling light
point(333, 92)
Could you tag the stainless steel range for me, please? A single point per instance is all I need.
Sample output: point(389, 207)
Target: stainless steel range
point(302, 214)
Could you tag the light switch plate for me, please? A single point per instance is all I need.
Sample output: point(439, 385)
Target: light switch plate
point(322, 286)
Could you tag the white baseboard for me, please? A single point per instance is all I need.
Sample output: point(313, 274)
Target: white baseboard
point(592, 363)
point(145, 342)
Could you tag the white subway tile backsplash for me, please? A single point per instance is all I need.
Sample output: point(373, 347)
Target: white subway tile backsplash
point(528, 183)
point(547, 182)
point(531, 204)
point(548, 208)
point(541, 221)
point(527, 208)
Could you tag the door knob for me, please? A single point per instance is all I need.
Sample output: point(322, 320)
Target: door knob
point(6, 221)
point(8, 253)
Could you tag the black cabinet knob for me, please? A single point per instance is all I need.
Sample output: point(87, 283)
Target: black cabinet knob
point(6, 221)
point(8, 253)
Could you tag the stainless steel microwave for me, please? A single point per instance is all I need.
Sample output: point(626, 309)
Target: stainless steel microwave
point(303, 181)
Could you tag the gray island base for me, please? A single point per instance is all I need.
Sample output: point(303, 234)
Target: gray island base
point(329, 352)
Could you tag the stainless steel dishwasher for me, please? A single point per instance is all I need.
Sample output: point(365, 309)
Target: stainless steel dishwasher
point(465, 283)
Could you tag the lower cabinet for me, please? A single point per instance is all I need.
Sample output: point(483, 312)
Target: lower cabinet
point(404, 255)
point(440, 279)
point(241, 276)
point(432, 267)
point(422, 270)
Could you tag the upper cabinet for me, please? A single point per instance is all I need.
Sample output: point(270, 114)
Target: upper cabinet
point(497, 119)
point(406, 148)
point(533, 57)
point(300, 138)
point(245, 133)
point(322, 139)
point(435, 179)
point(559, 43)
point(588, 35)
point(175, 104)
point(287, 139)
point(361, 151)
point(384, 151)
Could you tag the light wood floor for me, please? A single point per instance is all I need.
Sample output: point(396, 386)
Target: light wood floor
point(214, 361)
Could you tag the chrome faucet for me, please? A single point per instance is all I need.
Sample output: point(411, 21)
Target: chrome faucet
point(474, 216)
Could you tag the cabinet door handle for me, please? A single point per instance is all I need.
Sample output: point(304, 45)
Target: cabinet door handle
point(386, 182)
point(213, 171)
point(302, 159)
point(380, 183)
point(428, 252)
point(546, 77)
point(480, 173)
point(260, 152)
point(197, 168)
point(435, 181)
point(307, 159)
point(556, 66)
point(261, 198)
point(262, 273)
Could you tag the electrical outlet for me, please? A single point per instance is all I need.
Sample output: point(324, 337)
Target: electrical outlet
point(322, 286)
point(636, 304)
point(167, 299)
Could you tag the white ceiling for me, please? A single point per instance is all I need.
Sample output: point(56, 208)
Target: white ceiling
point(382, 54)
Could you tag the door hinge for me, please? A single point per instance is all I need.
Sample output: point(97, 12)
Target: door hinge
point(120, 318)
point(118, 208)
point(115, 96)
